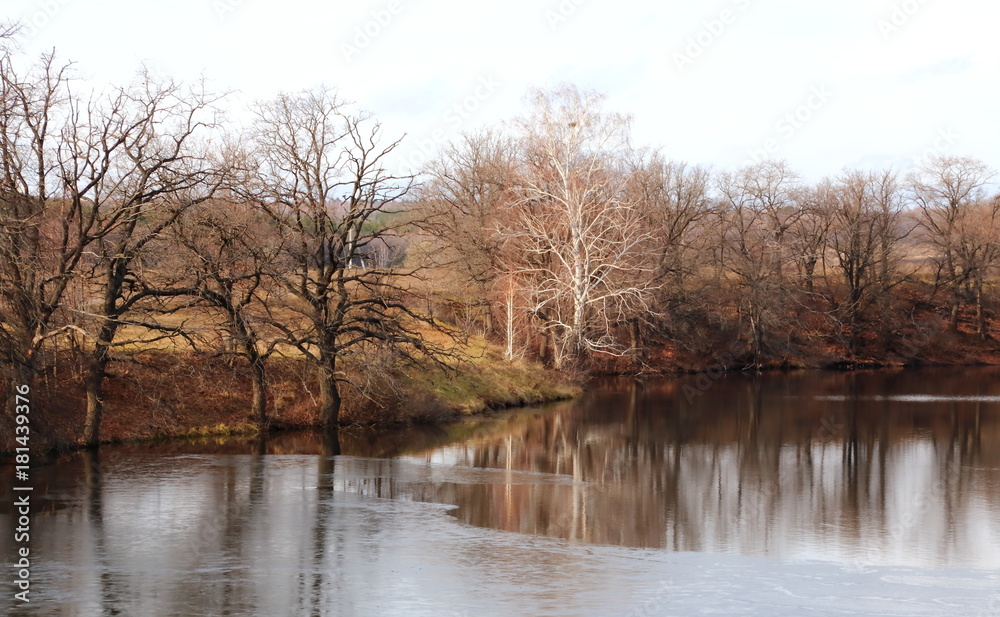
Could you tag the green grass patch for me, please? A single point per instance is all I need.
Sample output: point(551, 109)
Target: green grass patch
point(222, 430)
point(488, 382)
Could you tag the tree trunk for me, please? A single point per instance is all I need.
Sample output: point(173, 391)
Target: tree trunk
point(95, 393)
point(810, 269)
point(980, 312)
point(245, 337)
point(852, 338)
point(329, 392)
point(956, 287)
point(509, 314)
point(330, 442)
point(258, 393)
point(557, 354)
point(886, 250)
point(487, 318)
point(100, 357)
point(854, 317)
point(97, 371)
point(755, 314)
point(543, 347)
point(635, 336)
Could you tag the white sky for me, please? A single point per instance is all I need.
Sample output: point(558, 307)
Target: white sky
point(889, 92)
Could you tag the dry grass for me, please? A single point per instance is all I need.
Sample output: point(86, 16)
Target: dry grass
point(159, 393)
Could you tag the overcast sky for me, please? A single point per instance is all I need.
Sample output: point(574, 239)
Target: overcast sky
point(825, 85)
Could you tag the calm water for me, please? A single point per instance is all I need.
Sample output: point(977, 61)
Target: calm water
point(813, 493)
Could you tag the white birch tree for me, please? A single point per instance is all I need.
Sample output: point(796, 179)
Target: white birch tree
point(582, 240)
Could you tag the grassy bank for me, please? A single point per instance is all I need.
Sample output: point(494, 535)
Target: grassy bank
point(159, 394)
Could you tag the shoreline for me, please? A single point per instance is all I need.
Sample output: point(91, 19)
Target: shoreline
point(170, 395)
point(162, 395)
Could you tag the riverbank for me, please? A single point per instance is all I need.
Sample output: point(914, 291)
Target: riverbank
point(164, 394)
point(919, 336)
point(174, 393)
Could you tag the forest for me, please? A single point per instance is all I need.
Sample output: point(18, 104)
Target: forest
point(141, 228)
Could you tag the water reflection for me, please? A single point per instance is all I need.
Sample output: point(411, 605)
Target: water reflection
point(863, 468)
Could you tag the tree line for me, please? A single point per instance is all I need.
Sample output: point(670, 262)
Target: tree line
point(135, 218)
point(587, 245)
point(139, 217)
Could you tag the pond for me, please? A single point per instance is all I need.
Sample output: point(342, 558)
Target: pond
point(811, 493)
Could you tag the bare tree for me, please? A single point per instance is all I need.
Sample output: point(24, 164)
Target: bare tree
point(976, 251)
point(9, 29)
point(129, 163)
point(464, 204)
point(230, 249)
point(581, 237)
point(675, 200)
point(944, 189)
point(865, 210)
point(44, 235)
point(470, 190)
point(758, 212)
point(808, 234)
point(895, 227)
point(86, 186)
point(322, 181)
point(675, 197)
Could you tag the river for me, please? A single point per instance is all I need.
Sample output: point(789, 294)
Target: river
point(811, 493)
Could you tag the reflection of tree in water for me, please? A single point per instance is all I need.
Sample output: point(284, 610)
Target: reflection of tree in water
point(745, 467)
point(113, 597)
point(752, 465)
point(320, 572)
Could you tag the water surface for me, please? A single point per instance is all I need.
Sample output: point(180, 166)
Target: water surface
point(809, 493)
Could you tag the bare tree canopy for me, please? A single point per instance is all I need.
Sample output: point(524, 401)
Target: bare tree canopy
point(582, 238)
point(320, 175)
point(946, 190)
point(757, 213)
point(864, 209)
